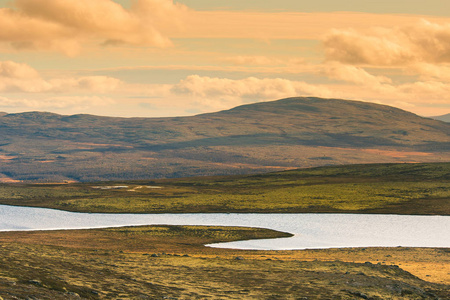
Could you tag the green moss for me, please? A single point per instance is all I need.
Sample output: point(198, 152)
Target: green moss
point(391, 188)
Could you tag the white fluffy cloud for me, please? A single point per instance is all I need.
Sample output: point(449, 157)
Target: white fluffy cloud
point(424, 42)
point(64, 25)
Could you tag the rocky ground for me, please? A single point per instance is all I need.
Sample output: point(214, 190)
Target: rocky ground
point(170, 262)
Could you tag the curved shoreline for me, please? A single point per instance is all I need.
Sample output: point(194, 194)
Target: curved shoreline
point(309, 230)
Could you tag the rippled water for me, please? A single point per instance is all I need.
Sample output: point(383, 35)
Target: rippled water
point(311, 230)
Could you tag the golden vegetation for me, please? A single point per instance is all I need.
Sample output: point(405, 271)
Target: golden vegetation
point(170, 262)
point(380, 188)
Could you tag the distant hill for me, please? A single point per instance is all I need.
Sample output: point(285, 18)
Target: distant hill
point(266, 136)
point(445, 118)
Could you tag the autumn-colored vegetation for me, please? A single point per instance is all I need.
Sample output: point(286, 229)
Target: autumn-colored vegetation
point(379, 188)
point(268, 136)
point(170, 262)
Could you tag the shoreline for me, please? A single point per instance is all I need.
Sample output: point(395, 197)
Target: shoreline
point(308, 230)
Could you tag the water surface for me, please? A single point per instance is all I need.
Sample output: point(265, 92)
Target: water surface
point(310, 230)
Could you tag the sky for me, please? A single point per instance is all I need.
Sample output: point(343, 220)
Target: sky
point(158, 58)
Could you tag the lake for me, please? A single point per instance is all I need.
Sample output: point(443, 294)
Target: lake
point(310, 230)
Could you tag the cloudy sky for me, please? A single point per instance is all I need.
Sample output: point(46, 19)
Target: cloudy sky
point(154, 58)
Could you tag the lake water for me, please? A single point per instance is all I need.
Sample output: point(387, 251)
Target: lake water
point(310, 230)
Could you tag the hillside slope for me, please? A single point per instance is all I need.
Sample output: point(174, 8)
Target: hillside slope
point(267, 136)
point(444, 118)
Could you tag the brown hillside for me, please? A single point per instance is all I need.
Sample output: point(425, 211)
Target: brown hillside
point(283, 134)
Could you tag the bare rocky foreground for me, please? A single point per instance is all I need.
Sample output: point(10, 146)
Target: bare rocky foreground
point(169, 262)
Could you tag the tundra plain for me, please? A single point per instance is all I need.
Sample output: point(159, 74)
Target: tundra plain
point(171, 262)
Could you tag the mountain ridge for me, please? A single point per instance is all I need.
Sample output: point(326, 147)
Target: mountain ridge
point(266, 136)
point(443, 118)
point(244, 107)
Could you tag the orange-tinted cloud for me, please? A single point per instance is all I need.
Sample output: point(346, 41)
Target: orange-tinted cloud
point(61, 102)
point(424, 42)
point(284, 25)
point(28, 90)
point(96, 84)
point(65, 25)
point(352, 74)
point(431, 72)
point(17, 77)
point(10, 69)
point(247, 88)
point(261, 60)
point(243, 60)
point(432, 92)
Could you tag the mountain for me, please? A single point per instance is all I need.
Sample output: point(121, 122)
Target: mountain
point(444, 118)
point(266, 136)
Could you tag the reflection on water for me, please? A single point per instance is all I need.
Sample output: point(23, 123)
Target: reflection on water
point(310, 230)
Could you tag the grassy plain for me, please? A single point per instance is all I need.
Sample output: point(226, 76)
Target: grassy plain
point(374, 188)
point(170, 262)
